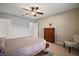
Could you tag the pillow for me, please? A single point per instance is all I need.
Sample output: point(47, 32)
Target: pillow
point(2, 43)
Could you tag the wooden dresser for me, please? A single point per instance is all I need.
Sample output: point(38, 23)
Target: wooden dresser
point(49, 34)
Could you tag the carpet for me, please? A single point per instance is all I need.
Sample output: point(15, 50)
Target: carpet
point(45, 53)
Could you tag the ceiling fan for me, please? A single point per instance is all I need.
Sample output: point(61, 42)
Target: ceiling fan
point(34, 10)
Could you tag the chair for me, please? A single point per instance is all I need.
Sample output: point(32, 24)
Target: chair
point(72, 44)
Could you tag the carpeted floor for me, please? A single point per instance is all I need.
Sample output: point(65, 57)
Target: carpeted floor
point(58, 50)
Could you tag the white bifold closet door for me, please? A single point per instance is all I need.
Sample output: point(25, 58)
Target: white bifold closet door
point(5, 28)
point(33, 27)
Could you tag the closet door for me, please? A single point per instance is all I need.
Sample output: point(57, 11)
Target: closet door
point(5, 28)
point(34, 29)
point(49, 34)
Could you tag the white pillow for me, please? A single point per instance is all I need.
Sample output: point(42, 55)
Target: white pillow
point(2, 43)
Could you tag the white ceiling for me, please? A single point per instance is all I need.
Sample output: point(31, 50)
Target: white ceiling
point(47, 8)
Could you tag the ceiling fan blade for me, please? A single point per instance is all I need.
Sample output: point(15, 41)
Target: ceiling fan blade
point(26, 9)
point(40, 13)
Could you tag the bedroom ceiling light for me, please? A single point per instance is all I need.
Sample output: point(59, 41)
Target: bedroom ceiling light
point(33, 13)
point(33, 10)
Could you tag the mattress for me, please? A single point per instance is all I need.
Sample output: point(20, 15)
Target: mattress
point(24, 46)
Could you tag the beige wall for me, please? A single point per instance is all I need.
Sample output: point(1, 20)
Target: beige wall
point(66, 24)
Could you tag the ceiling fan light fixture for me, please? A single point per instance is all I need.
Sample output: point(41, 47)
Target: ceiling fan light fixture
point(34, 10)
point(33, 13)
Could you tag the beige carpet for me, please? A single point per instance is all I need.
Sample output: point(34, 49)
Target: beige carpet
point(58, 50)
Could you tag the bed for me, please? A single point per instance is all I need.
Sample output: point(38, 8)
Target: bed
point(25, 46)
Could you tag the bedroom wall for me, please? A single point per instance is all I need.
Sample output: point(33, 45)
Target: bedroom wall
point(66, 24)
